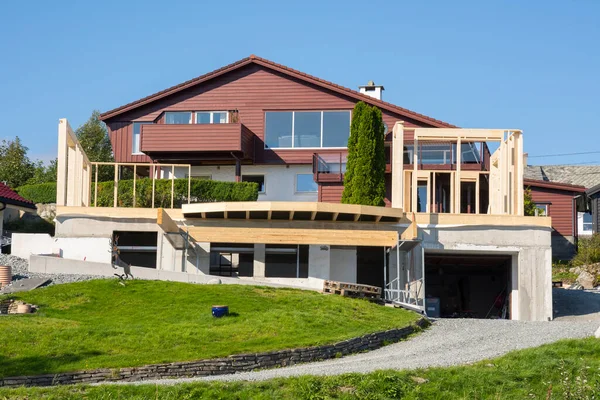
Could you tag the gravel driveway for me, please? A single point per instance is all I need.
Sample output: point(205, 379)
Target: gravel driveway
point(447, 342)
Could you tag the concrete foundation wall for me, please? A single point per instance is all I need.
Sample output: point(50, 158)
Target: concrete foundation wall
point(95, 249)
point(563, 247)
point(343, 264)
point(531, 252)
point(319, 262)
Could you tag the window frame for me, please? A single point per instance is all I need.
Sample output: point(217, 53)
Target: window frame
point(212, 117)
point(590, 223)
point(133, 136)
point(266, 147)
point(296, 191)
point(264, 191)
point(545, 207)
point(192, 114)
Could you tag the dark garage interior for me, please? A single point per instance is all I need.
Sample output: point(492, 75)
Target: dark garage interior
point(468, 285)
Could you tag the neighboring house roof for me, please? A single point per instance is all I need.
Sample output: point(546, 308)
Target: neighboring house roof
point(284, 70)
point(582, 175)
point(592, 191)
point(9, 196)
point(554, 185)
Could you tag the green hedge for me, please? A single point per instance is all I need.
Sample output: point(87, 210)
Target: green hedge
point(202, 191)
point(40, 193)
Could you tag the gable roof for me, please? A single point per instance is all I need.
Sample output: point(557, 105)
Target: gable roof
point(281, 69)
point(9, 196)
point(581, 175)
point(553, 185)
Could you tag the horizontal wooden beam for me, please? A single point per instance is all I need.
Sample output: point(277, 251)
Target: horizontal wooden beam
point(332, 237)
point(165, 222)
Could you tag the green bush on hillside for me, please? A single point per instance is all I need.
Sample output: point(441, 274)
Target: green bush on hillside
point(588, 251)
point(202, 191)
point(41, 193)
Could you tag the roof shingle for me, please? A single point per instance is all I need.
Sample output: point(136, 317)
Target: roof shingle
point(581, 175)
point(9, 196)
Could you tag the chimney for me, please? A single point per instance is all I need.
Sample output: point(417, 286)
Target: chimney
point(371, 89)
point(525, 155)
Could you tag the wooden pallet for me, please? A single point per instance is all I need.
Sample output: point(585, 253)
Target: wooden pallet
point(351, 289)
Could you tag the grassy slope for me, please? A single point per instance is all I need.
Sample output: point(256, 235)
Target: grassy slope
point(100, 324)
point(523, 374)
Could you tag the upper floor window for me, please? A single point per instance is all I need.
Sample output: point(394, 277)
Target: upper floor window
point(178, 117)
point(212, 117)
point(306, 129)
point(137, 129)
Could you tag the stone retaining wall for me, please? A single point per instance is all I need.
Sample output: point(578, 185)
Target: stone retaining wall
point(220, 366)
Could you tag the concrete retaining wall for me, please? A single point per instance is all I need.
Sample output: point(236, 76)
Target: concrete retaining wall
point(220, 366)
point(57, 265)
point(96, 249)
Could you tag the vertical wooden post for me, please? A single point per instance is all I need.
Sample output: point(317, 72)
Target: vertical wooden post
point(189, 184)
point(62, 167)
point(116, 185)
point(415, 179)
point(172, 184)
point(134, 181)
point(96, 186)
point(457, 180)
point(153, 183)
point(238, 170)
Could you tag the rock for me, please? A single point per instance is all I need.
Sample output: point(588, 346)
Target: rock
point(586, 279)
point(214, 281)
point(575, 270)
point(418, 380)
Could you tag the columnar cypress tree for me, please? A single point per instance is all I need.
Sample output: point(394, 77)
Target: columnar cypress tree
point(364, 181)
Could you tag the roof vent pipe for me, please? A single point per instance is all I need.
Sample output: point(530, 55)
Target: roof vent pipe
point(372, 90)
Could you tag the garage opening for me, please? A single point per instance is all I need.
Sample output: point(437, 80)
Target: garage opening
point(468, 285)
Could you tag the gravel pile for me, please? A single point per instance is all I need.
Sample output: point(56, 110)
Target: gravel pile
point(20, 266)
point(448, 342)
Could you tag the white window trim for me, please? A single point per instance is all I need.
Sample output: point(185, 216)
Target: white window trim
point(580, 225)
point(296, 191)
point(138, 153)
point(212, 113)
point(545, 207)
point(264, 180)
point(191, 116)
point(294, 128)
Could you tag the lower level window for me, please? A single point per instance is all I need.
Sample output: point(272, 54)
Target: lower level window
point(136, 248)
point(587, 222)
point(305, 183)
point(260, 179)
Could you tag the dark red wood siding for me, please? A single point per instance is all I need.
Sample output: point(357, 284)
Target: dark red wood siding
point(196, 138)
point(331, 192)
point(560, 208)
point(251, 90)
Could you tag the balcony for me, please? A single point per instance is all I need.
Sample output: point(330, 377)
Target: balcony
point(200, 141)
point(329, 167)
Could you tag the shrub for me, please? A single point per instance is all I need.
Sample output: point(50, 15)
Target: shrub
point(588, 251)
point(202, 191)
point(364, 180)
point(40, 193)
point(24, 225)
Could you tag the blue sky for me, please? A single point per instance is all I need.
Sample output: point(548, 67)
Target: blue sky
point(532, 65)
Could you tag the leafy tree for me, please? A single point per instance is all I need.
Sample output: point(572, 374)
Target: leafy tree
point(364, 180)
point(529, 206)
point(15, 167)
point(43, 173)
point(94, 140)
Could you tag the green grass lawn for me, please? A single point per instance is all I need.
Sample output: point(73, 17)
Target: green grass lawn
point(102, 324)
point(564, 370)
